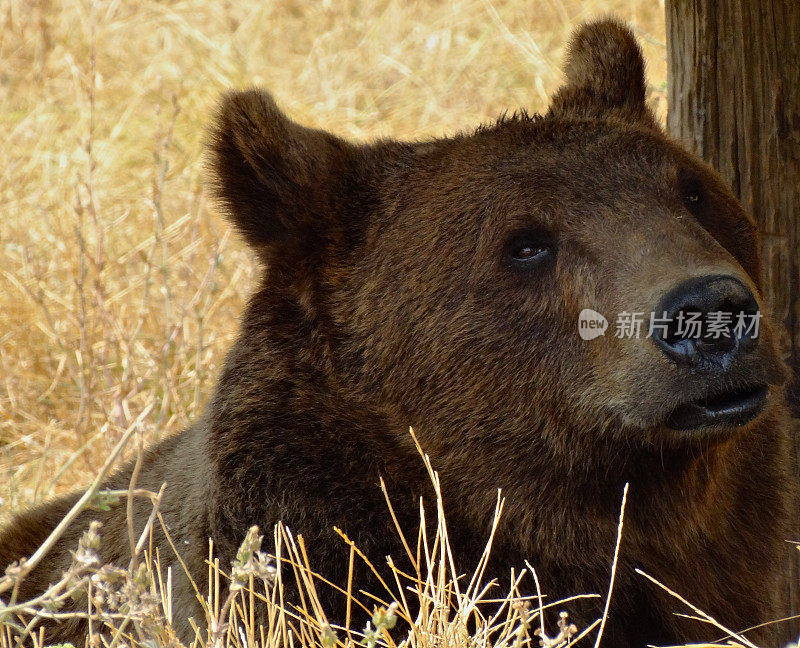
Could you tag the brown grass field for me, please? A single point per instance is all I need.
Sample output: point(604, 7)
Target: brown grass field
point(120, 286)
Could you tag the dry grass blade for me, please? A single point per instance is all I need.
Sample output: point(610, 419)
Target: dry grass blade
point(613, 567)
point(7, 582)
point(740, 640)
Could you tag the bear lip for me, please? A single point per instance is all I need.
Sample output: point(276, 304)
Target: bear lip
point(729, 409)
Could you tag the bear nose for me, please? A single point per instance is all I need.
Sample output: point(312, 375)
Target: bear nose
point(706, 321)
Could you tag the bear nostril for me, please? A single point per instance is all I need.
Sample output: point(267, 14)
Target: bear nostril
point(705, 317)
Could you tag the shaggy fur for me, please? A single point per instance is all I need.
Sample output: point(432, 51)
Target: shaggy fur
point(390, 299)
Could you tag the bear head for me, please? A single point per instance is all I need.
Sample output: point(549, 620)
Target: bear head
point(445, 282)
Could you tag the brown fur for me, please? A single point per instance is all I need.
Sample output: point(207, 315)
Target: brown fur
point(387, 301)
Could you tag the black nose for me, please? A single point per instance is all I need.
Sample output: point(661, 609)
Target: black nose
point(706, 322)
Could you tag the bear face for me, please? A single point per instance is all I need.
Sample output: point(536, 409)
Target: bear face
point(445, 278)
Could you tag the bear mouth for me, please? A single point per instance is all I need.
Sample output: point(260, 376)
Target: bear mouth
point(726, 409)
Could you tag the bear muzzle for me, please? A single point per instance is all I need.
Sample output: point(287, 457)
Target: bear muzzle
point(710, 331)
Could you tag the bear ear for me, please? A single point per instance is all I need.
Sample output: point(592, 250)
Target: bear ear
point(604, 71)
point(281, 184)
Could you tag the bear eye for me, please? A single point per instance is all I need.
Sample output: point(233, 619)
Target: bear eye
point(528, 252)
point(691, 189)
point(529, 249)
point(692, 199)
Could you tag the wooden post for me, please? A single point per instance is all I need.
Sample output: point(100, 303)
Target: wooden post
point(734, 95)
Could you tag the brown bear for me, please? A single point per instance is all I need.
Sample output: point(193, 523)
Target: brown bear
point(439, 284)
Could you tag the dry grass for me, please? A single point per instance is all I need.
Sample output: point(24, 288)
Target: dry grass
point(119, 287)
point(131, 606)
